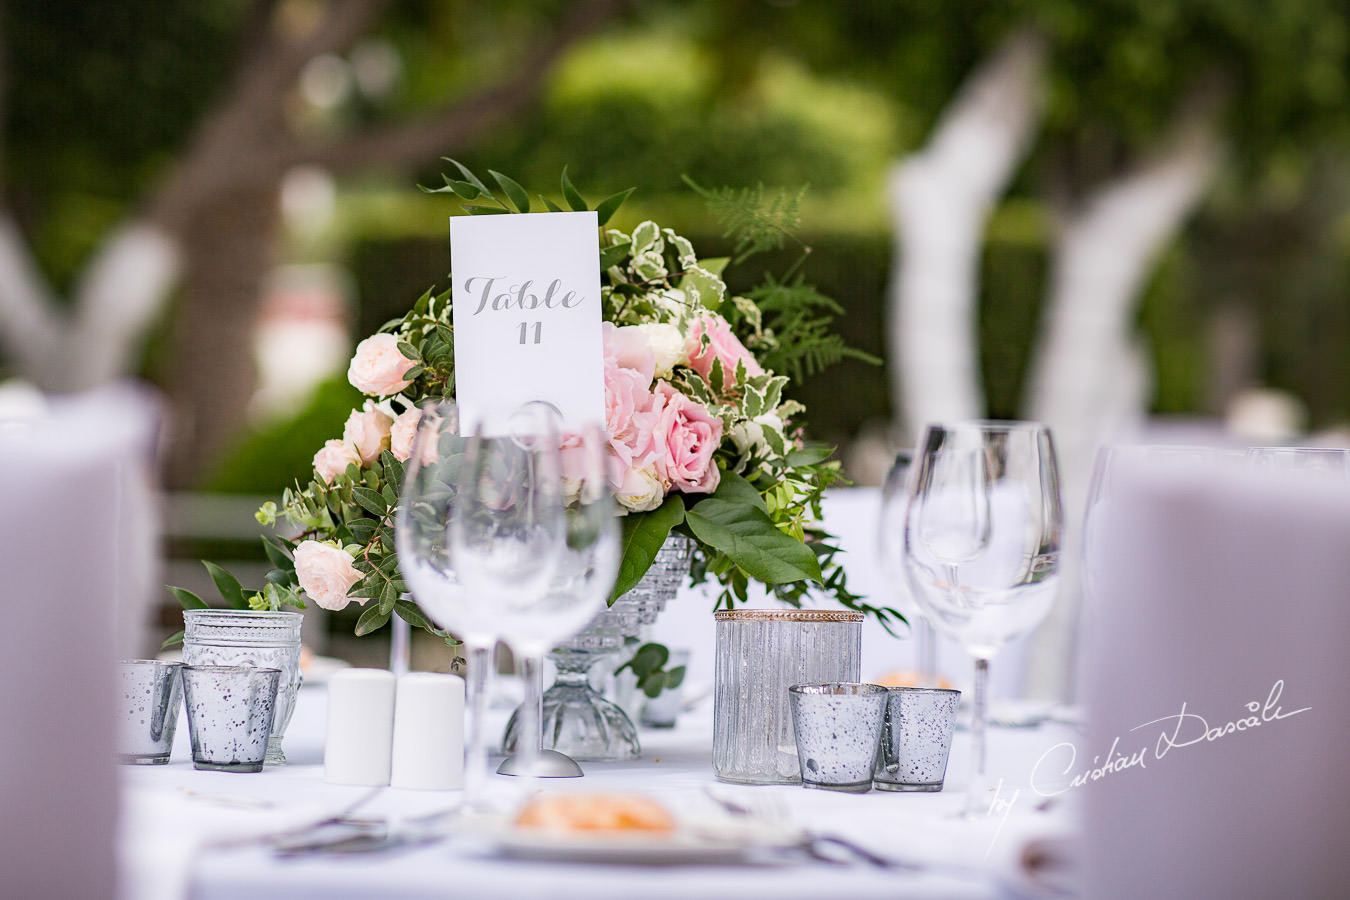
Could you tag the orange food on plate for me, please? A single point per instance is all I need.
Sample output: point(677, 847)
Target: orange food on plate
point(596, 812)
point(909, 678)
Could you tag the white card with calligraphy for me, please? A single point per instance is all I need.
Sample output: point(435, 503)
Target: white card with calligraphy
point(527, 316)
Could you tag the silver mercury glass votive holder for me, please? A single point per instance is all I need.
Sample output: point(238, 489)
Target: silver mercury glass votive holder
point(149, 698)
point(760, 653)
point(838, 729)
point(916, 739)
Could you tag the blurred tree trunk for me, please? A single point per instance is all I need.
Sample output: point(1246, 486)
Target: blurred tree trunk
point(228, 253)
point(941, 198)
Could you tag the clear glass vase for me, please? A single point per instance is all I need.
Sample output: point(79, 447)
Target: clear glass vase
point(577, 720)
point(239, 637)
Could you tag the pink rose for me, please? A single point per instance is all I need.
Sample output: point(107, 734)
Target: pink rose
point(628, 414)
point(326, 574)
point(333, 459)
point(402, 433)
point(722, 344)
point(686, 436)
point(629, 348)
point(378, 366)
point(367, 431)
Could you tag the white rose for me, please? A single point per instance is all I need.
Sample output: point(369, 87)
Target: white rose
point(402, 433)
point(667, 344)
point(641, 490)
point(378, 366)
point(749, 435)
point(367, 431)
point(332, 460)
point(326, 574)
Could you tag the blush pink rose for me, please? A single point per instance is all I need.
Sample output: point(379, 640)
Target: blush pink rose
point(326, 574)
point(378, 366)
point(686, 437)
point(628, 416)
point(629, 348)
point(722, 344)
point(367, 431)
point(332, 460)
point(402, 433)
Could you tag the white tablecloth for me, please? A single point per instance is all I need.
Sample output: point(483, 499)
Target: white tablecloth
point(172, 816)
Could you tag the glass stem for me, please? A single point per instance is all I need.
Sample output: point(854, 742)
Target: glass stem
point(530, 738)
point(927, 650)
point(978, 728)
point(476, 768)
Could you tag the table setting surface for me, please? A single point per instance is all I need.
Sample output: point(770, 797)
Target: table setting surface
point(198, 834)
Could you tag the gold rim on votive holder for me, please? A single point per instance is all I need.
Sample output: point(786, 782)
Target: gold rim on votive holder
point(787, 615)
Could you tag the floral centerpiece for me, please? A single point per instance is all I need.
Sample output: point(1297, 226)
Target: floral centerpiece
point(702, 439)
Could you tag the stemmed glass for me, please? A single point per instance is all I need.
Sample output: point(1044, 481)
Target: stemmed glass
point(1316, 461)
point(890, 549)
point(480, 531)
point(584, 577)
point(982, 537)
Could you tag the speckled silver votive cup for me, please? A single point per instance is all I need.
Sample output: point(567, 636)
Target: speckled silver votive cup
point(916, 738)
point(838, 728)
point(149, 694)
point(229, 713)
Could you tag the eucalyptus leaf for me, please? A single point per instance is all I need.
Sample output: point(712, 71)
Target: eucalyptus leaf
point(468, 176)
point(371, 620)
point(571, 194)
point(172, 640)
point(643, 535)
point(654, 684)
point(610, 205)
point(463, 189)
point(514, 192)
point(230, 590)
point(748, 537)
point(370, 500)
point(549, 204)
point(186, 598)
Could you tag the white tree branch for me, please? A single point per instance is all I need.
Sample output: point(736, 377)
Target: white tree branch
point(31, 322)
point(940, 199)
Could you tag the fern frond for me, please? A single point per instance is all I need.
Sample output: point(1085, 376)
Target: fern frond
point(754, 218)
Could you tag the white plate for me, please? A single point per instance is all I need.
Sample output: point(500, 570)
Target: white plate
point(715, 841)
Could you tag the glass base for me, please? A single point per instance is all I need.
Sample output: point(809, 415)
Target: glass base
point(139, 759)
point(274, 756)
point(907, 788)
point(228, 766)
point(857, 787)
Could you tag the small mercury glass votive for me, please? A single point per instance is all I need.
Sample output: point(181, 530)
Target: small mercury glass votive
point(229, 713)
point(916, 739)
point(838, 727)
point(150, 695)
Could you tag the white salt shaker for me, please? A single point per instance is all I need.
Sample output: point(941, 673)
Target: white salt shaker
point(360, 727)
point(429, 732)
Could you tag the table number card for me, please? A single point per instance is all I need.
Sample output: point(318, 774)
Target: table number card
point(527, 316)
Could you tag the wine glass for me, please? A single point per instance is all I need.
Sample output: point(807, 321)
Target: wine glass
point(585, 575)
point(982, 537)
point(479, 531)
point(890, 545)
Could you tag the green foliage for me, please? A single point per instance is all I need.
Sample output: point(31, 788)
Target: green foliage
point(754, 221)
point(648, 664)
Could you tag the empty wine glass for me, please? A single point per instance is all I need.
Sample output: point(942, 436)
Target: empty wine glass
point(890, 549)
point(584, 577)
point(479, 530)
point(982, 537)
point(1331, 462)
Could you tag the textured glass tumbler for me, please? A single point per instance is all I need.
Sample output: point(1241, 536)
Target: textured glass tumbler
point(916, 739)
point(760, 653)
point(838, 730)
point(235, 637)
point(151, 693)
point(229, 713)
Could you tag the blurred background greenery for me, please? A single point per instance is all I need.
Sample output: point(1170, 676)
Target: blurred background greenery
point(107, 108)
